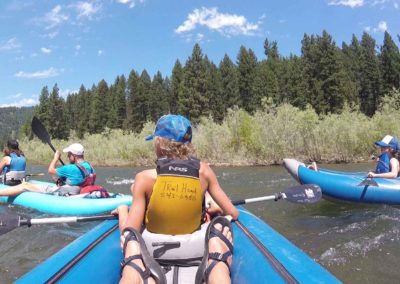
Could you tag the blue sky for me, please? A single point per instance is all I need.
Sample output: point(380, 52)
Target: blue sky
point(82, 42)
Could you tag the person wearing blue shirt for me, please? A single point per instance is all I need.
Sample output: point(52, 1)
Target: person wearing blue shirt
point(70, 178)
point(388, 165)
point(13, 164)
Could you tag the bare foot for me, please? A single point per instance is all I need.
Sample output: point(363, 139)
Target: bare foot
point(220, 273)
point(313, 166)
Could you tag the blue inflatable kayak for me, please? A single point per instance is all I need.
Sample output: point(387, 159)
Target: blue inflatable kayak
point(60, 205)
point(261, 256)
point(348, 186)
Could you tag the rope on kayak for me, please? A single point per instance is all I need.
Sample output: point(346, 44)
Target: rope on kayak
point(282, 271)
point(60, 273)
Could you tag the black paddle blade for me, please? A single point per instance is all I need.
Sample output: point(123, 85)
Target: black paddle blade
point(305, 193)
point(8, 222)
point(368, 182)
point(39, 130)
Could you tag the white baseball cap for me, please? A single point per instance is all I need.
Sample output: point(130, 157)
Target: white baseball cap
point(76, 149)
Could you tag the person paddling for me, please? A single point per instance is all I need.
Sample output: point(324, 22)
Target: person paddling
point(69, 178)
point(387, 165)
point(13, 164)
point(168, 202)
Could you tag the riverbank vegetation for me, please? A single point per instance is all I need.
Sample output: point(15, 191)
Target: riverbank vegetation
point(266, 137)
point(328, 104)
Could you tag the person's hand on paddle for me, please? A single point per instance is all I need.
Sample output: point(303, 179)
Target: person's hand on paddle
point(212, 208)
point(371, 174)
point(57, 155)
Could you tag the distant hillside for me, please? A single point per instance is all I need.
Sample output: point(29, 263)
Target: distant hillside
point(11, 119)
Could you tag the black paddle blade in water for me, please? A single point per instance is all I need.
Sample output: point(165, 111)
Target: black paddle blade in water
point(306, 193)
point(39, 130)
point(368, 182)
point(8, 222)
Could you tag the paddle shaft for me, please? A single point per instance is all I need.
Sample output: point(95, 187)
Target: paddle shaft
point(74, 219)
point(257, 199)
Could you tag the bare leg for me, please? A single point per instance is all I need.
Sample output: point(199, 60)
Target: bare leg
point(25, 186)
point(220, 273)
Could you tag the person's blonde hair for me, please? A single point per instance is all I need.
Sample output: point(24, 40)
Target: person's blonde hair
point(173, 149)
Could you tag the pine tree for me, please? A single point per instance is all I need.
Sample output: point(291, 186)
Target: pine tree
point(390, 64)
point(247, 63)
point(214, 104)
point(294, 88)
point(271, 49)
point(370, 76)
point(158, 100)
point(98, 111)
point(42, 109)
point(132, 89)
point(58, 127)
point(228, 75)
point(83, 111)
point(193, 100)
point(176, 86)
point(117, 114)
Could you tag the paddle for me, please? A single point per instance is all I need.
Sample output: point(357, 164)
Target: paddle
point(35, 175)
point(41, 132)
point(9, 221)
point(304, 194)
point(368, 181)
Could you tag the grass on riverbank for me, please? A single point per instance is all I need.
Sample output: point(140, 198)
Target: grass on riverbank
point(264, 138)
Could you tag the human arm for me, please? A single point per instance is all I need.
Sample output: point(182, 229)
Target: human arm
point(5, 161)
point(135, 218)
point(52, 167)
point(394, 165)
point(217, 192)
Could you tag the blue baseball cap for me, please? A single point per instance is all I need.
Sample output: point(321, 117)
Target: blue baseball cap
point(173, 127)
point(388, 141)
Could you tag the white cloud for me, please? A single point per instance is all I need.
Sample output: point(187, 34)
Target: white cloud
point(65, 93)
point(100, 52)
point(396, 5)
point(21, 103)
point(51, 72)
point(78, 47)
point(87, 9)
point(54, 18)
point(226, 24)
point(45, 50)
point(382, 26)
point(10, 44)
point(51, 35)
point(348, 3)
point(367, 29)
point(130, 3)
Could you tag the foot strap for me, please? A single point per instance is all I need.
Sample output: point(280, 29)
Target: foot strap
point(144, 274)
point(217, 257)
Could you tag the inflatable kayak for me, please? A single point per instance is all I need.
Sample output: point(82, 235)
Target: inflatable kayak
point(348, 186)
point(261, 255)
point(60, 205)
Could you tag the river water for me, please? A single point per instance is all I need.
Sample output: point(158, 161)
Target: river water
point(357, 243)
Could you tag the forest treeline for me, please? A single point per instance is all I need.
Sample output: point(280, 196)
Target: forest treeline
point(324, 77)
point(11, 119)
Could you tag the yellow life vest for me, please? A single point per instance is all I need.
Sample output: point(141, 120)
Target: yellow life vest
point(175, 205)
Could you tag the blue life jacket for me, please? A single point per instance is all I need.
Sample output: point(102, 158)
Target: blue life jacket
point(16, 170)
point(383, 165)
